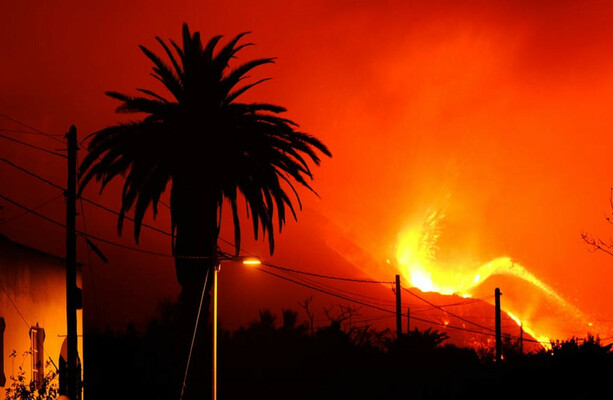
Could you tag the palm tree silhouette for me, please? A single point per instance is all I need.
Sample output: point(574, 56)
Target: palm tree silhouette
point(209, 146)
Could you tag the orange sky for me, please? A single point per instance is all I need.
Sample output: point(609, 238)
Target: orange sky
point(495, 112)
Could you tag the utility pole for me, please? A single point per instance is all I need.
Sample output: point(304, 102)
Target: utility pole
point(521, 338)
point(398, 309)
point(72, 373)
point(497, 294)
point(408, 320)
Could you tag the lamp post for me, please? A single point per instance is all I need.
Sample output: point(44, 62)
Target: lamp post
point(246, 261)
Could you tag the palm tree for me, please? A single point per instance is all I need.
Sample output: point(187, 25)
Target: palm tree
point(209, 146)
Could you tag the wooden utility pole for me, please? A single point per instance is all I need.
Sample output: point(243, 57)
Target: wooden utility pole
point(521, 338)
point(398, 308)
point(497, 295)
point(72, 373)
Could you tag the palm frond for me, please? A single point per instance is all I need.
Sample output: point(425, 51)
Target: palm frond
point(175, 64)
point(206, 144)
point(153, 94)
point(233, 95)
point(222, 59)
point(238, 73)
point(207, 53)
point(164, 74)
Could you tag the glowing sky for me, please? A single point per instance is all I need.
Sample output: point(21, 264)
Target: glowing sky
point(497, 112)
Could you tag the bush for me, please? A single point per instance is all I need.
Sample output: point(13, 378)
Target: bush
point(21, 389)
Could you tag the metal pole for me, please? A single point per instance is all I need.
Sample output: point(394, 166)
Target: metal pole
point(217, 267)
point(398, 308)
point(497, 295)
point(72, 390)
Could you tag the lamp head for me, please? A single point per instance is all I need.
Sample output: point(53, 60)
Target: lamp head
point(251, 260)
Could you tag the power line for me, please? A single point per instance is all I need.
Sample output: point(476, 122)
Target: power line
point(324, 286)
point(374, 306)
point(102, 207)
point(325, 276)
point(32, 146)
point(263, 270)
point(51, 200)
point(461, 303)
point(36, 176)
point(18, 131)
point(15, 306)
point(85, 199)
point(25, 321)
point(82, 233)
point(91, 265)
point(35, 131)
point(448, 312)
point(470, 301)
point(289, 270)
point(32, 174)
point(95, 204)
point(328, 292)
point(364, 321)
point(85, 235)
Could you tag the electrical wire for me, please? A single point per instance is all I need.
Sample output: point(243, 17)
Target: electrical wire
point(84, 234)
point(325, 276)
point(15, 307)
point(462, 303)
point(448, 312)
point(327, 292)
point(314, 287)
point(91, 265)
point(374, 306)
point(363, 321)
point(51, 200)
point(25, 321)
point(34, 130)
point(289, 270)
point(325, 286)
point(18, 131)
point(155, 253)
point(48, 182)
point(32, 146)
point(191, 347)
point(393, 312)
point(270, 273)
point(63, 189)
point(32, 174)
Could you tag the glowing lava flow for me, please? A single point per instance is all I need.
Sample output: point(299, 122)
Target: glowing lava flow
point(417, 257)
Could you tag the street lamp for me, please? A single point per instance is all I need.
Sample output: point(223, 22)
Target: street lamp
point(250, 260)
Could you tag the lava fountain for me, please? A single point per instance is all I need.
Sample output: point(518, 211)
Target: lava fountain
point(528, 300)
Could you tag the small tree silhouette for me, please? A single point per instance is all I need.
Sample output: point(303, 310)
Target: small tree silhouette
point(21, 389)
point(594, 242)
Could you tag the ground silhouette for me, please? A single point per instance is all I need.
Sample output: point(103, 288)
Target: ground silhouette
point(281, 359)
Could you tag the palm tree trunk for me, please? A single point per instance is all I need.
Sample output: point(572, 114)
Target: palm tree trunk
point(194, 213)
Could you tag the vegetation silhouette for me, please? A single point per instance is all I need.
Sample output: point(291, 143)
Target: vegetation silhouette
point(281, 359)
point(209, 146)
point(596, 243)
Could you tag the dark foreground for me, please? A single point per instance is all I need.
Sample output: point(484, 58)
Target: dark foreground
point(272, 359)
